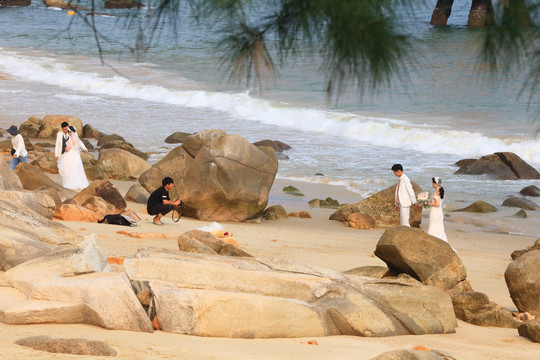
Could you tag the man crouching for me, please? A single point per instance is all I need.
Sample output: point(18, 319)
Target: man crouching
point(159, 203)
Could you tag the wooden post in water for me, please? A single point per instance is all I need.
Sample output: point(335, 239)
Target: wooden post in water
point(441, 13)
point(481, 14)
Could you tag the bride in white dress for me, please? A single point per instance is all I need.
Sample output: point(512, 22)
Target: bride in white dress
point(436, 216)
point(70, 164)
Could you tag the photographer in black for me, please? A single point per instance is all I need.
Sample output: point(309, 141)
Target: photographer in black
point(159, 203)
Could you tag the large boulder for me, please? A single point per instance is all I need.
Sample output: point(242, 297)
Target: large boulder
point(138, 194)
point(105, 190)
point(32, 177)
point(71, 285)
point(17, 248)
point(523, 280)
point(218, 176)
point(24, 220)
point(64, 5)
point(39, 202)
point(109, 138)
point(46, 162)
point(121, 164)
point(422, 256)
point(9, 181)
point(74, 212)
point(263, 298)
point(500, 166)
point(380, 207)
point(48, 127)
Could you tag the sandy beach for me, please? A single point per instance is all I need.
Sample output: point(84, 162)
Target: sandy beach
point(316, 241)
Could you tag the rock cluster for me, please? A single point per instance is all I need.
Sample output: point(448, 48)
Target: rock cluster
point(434, 262)
point(380, 208)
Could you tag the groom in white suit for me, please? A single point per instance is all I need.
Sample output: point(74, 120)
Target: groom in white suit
point(61, 139)
point(404, 196)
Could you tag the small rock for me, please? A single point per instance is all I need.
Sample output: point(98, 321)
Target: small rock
point(479, 207)
point(520, 203)
point(300, 214)
point(530, 191)
point(67, 346)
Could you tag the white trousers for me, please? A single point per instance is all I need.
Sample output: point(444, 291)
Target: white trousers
point(404, 213)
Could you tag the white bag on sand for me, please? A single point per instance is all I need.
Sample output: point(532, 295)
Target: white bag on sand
point(212, 228)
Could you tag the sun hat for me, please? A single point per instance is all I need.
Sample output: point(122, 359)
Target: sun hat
point(13, 130)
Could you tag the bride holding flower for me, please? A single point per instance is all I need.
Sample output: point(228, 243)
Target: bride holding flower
point(436, 216)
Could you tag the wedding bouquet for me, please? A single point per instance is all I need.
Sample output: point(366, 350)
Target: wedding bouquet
point(423, 199)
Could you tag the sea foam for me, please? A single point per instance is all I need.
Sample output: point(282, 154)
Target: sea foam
point(375, 131)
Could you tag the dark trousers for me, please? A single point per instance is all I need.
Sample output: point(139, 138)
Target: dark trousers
point(160, 209)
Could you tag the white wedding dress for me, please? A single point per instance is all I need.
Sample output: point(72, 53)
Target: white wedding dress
point(70, 166)
point(436, 218)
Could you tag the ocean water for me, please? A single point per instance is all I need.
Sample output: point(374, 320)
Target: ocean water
point(447, 109)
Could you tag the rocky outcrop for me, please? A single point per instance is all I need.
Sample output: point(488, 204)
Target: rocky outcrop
point(530, 190)
point(123, 4)
point(531, 330)
point(521, 203)
point(32, 177)
point(105, 190)
point(400, 248)
point(500, 166)
point(275, 212)
point(206, 243)
point(266, 298)
point(68, 286)
point(39, 202)
point(109, 138)
point(479, 207)
point(138, 194)
point(218, 176)
point(523, 280)
point(433, 262)
point(64, 5)
point(48, 127)
point(89, 132)
point(74, 212)
point(46, 162)
point(121, 164)
point(380, 207)
point(361, 221)
point(67, 346)
point(32, 224)
point(17, 247)
point(9, 181)
point(277, 145)
point(517, 253)
point(124, 145)
point(177, 138)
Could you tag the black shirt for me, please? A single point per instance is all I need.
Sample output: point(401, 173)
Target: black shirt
point(157, 197)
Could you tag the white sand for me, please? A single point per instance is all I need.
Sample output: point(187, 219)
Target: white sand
point(317, 241)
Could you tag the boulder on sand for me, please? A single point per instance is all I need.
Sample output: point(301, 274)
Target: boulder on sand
point(219, 177)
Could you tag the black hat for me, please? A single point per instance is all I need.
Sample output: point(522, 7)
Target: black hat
point(13, 130)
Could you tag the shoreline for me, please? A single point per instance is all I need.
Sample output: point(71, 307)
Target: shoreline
point(316, 241)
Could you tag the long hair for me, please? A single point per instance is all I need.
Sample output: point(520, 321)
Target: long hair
point(438, 181)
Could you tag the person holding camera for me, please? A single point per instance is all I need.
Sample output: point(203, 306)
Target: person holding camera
point(18, 153)
point(159, 203)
